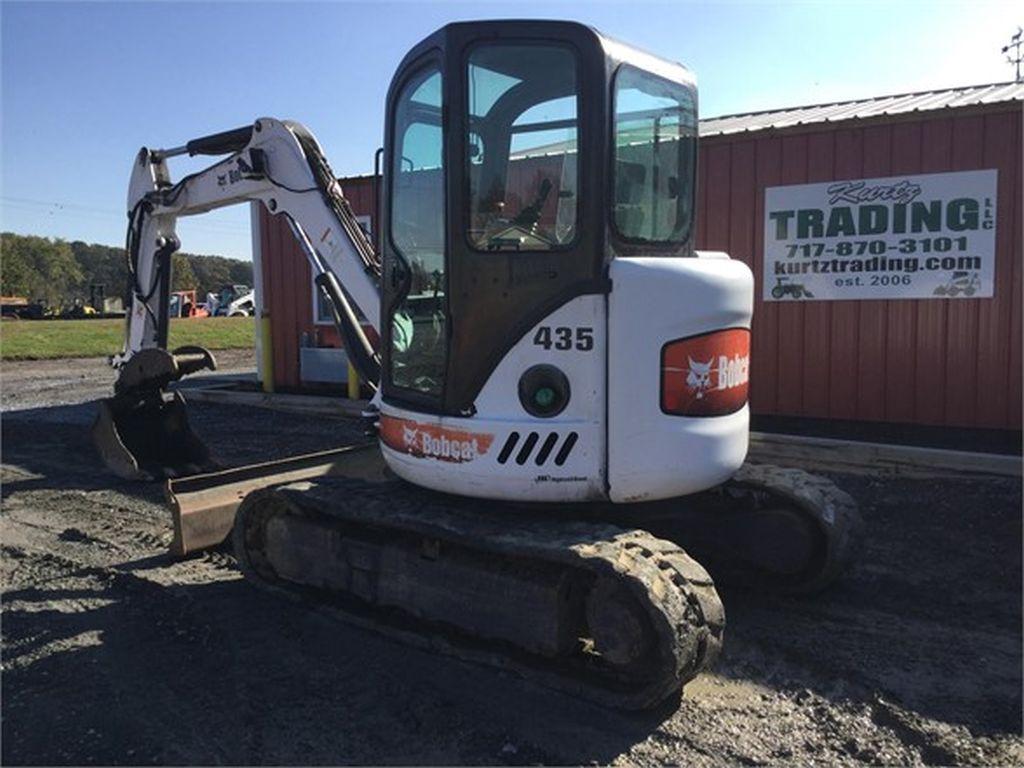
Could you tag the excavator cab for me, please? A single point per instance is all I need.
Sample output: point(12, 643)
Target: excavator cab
point(521, 156)
point(540, 279)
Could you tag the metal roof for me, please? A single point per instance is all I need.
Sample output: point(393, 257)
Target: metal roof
point(924, 101)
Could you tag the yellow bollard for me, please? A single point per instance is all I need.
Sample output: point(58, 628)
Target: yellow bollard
point(353, 382)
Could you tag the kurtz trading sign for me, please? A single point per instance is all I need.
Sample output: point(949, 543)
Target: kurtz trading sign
point(930, 236)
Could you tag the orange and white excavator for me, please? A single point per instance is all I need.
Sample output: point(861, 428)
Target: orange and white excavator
point(560, 385)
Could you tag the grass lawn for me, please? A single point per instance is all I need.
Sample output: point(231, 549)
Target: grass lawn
point(43, 339)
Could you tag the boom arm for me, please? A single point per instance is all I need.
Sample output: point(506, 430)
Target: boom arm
point(281, 165)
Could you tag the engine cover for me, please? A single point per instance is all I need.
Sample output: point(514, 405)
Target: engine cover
point(635, 396)
point(678, 362)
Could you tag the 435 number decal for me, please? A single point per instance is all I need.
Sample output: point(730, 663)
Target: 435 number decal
point(563, 338)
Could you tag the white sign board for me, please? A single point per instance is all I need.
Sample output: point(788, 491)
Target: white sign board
point(929, 236)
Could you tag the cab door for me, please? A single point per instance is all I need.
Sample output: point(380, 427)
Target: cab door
point(415, 325)
point(525, 233)
point(493, 143)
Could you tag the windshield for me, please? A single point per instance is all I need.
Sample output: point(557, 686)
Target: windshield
point(655, 157)
point(522, 147)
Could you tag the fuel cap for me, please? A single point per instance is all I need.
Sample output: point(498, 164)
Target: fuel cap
point(544, 391)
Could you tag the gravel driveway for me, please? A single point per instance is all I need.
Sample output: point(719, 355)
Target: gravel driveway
point(113, 652)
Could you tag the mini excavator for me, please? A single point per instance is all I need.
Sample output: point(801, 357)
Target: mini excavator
point(560, 382)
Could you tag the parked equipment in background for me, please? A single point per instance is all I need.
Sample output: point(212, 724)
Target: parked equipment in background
point(561, 383)
point(20, 308)
point(183, 304)
point(235, 301)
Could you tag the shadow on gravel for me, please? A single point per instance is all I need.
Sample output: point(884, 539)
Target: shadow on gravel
point(928, 617)
point(125, 671)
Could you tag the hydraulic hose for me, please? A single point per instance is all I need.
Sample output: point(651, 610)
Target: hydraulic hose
point(359, 348)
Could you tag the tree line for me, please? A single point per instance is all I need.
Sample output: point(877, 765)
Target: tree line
point(57, 272)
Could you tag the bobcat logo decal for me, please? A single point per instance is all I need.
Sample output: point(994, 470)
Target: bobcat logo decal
point(409, 436)
point(433, 441)
point(698, 377)
point(707, 374)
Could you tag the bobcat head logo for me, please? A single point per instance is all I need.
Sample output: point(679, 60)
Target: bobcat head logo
point(409, 436)
point(698, 377)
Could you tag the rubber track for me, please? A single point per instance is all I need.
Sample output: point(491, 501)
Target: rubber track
point(833, 510)
point(679, 596)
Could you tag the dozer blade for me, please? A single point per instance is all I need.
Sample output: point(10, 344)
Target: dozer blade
point(142, 432)
point(204, 506)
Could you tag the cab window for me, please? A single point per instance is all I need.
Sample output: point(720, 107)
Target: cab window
point(655, 157)
point(522, 137)
point(418, 321)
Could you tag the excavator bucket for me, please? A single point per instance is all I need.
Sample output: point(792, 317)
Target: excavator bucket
point(142, 433)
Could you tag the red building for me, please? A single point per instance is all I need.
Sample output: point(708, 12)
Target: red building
point(936, 360)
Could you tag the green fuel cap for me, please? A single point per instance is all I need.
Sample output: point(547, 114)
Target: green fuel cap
point(544, 391)
point(544, 397)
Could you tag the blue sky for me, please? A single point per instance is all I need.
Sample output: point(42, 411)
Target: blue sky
point(84, 85)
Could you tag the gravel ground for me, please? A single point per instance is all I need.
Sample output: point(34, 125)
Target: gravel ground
point(115, 653)
point(38, 383)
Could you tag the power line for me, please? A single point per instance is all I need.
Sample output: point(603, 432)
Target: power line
point(74, 209)
point(1015, 43)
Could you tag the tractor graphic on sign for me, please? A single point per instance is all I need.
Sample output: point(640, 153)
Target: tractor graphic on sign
point(967, 283)
point(783, 288)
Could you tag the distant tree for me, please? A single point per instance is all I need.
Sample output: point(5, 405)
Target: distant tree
point(17, 273)
point(214, 271)
point(45, 268)
point(60, 272)
point(183, 277)
point(102, 265)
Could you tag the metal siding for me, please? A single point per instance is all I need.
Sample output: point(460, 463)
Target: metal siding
point(790, 350)
point(962, 348)
point(845, 315)
point(764, 366)
point(930, 346)
point(274, 257)
point(1015, 237)
point(871, 334)
point(702, 197)
point(994, 316)
point(901, 316)
point(742, 200)
point(717, 192)
point(817, 315)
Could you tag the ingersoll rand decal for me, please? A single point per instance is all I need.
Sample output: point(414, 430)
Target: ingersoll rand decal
point(924, 236)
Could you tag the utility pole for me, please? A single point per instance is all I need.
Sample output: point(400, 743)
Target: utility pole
point(1015, 43)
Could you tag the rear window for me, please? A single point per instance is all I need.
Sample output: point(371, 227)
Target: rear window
point(655, 157)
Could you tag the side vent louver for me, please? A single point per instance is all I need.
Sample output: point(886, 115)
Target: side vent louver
point(508, 447)
point(543, 454)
